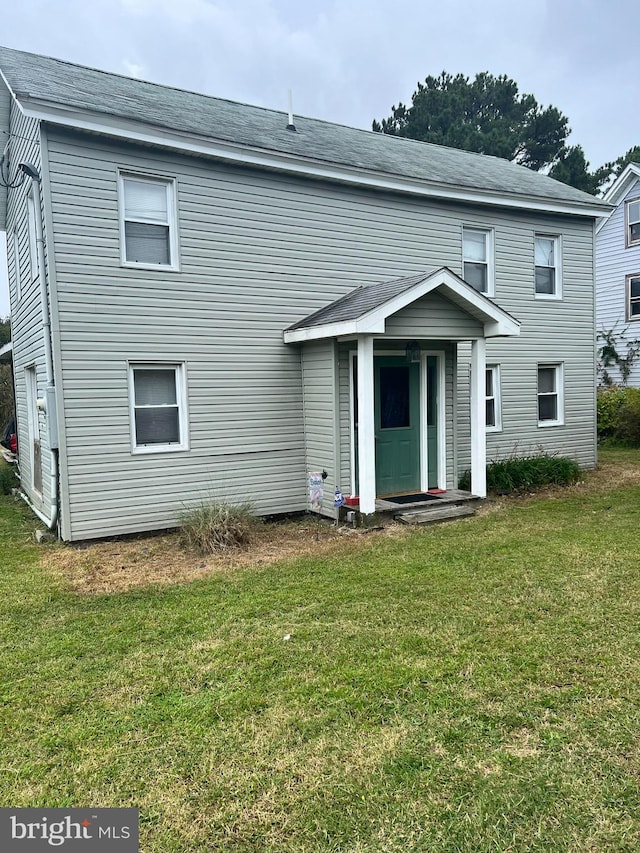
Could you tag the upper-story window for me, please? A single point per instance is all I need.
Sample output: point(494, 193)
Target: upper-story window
point(547, 263)
point(477, 258)
point(633, 297)
point(148, 222)
point(632, 226)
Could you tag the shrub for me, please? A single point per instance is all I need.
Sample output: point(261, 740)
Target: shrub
point(619, 416)
point(8, 479)
point(217, 525)
point(527, 472)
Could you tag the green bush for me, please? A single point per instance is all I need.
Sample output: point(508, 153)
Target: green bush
point(217, 525)
point(619, 416)
point(8, 479)
point(527, 472)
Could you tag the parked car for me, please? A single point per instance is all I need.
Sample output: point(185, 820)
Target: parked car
point(9, 442)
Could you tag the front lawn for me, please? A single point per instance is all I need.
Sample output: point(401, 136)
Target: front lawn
point(468, 687)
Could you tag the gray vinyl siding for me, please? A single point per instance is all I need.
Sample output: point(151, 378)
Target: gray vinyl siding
point(319, 384)
point(258, 251)
point(26, 312)
point(613, 263)
point(433, 316)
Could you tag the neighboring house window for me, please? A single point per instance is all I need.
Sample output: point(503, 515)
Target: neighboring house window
point(494, 408)
point(633, 297)
point(148, 226)
point(477, 257)
point(16, 266)
point(158, 407)
point(632, 216)
point(547, 262)
point(550, 403)
point(33, 239)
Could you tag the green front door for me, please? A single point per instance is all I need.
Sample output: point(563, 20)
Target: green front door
point(397, 414)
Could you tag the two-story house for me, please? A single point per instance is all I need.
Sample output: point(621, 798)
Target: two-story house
point(618, 269)
point(211, 300)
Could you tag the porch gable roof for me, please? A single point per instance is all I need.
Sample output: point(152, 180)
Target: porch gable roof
point(366, 309)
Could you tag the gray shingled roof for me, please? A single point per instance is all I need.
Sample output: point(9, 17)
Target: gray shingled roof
point(40, 78)
point(361, 301)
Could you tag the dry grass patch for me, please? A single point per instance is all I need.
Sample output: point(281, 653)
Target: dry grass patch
point(160, 559)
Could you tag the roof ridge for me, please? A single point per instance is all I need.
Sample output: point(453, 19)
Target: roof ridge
point(371, 133)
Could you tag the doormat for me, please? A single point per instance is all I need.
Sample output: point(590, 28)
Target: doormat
point(412, 499)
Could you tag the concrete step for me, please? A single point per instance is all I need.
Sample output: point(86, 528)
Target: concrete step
point(431, 516)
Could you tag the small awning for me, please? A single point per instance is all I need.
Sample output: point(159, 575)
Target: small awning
point(6, 353)
point(365, 310)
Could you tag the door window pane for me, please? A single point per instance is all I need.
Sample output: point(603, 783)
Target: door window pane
point(395, 409)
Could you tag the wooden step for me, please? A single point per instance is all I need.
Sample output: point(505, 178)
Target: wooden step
point(431, 516)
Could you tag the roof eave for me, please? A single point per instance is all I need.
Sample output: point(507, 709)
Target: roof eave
point(275, 160)
point(496, 321)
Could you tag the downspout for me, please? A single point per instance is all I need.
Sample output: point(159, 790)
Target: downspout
point(48, 405)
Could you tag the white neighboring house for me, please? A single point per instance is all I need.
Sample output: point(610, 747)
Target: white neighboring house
point(618, 267)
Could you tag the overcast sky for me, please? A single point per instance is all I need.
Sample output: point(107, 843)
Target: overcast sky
point(349, 61)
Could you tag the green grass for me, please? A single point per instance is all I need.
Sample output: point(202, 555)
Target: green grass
point(470, 687)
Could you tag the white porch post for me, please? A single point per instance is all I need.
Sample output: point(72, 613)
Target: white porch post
point(478, 419)
point(366, 426)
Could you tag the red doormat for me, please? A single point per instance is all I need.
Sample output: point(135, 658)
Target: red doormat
point(437, 491)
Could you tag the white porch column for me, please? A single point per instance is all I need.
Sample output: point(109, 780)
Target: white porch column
point(478, 418)
point(366, 426)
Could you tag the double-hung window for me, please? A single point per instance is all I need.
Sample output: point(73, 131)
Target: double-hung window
point(158, 407)
point(633, 297)
point(477, 259)
point(492, 394)
point(547, 264)
point(550, 397)
point(148, 222)
point(632, 223)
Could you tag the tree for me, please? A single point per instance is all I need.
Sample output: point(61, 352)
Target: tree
point(5, 331)
point(486, 115)
point(573, 168)
point(611, 170)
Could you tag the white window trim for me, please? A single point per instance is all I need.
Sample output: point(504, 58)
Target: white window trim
point(490, 249)
point(172, 211)
point(181, 397)
point(557, 253)
point(628, 242)
point(559, 368)
point(497, 398)
point(16, 265)
point(631, 318)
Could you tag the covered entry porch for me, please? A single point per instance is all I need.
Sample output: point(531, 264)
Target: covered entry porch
point(395, 421)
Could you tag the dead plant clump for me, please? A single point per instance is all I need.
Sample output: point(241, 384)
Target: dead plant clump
point(214, 526)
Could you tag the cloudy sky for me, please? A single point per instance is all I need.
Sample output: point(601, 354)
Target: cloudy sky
point(349, 61)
